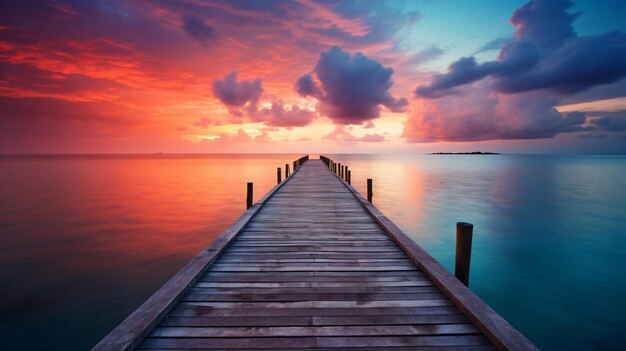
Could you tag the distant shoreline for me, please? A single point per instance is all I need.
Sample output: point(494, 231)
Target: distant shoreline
point(466, 153)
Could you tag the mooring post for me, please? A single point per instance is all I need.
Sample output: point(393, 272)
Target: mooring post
point(286, 170)
point(349, 177)
point(370, 193)
point(249, 196)
point(464, 232)
point(278, 175)
point(345, 174)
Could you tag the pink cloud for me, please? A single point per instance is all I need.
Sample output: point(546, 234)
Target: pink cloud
point(342, 134)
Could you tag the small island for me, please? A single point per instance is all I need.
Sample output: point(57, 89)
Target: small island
point(465, 153)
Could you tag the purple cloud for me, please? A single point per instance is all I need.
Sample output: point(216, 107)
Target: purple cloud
point(242, 100)
point(279, 116)
point(478, 114)
point(237, 95)
point(342, 134)
point(545, 54)
point(350, 88)
point(197, 29)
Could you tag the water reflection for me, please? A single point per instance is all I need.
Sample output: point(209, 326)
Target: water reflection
point(85, 240)
point(548, 234)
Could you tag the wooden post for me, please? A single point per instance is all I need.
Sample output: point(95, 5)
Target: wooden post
point(370, 193)
point(345, 174)
point(349, 177)
point(249, 196)
point(464, 232)
point(286, 170)
point(278, 175)
point(294, 166)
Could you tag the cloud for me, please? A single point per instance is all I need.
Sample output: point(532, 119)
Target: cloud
point(202, 122)
point(362, 22)
point(426, 55)
point(197, 29)
point(242, 100)
point(43, 124)
point(342, 134)
point(238, 95)
point(515, 96)
point(349, 88)
point(611, 121)
point(279, 116)
point(546, 54)
point(477, 114)
point(492, 45)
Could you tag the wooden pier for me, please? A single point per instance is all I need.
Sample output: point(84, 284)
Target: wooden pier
point(313, 265)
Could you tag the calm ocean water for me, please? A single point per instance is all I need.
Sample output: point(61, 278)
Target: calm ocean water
point(85, 239)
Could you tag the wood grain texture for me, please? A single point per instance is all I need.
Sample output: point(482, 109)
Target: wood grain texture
point(314, 268)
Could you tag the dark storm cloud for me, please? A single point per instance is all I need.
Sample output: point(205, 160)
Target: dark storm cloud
point(350, 88)
point(197, 29)
point(545, 54)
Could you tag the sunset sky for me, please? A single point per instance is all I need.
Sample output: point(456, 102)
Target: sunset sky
point(192, 76)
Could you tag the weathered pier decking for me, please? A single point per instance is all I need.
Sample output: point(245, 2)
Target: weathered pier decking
point(313, 265)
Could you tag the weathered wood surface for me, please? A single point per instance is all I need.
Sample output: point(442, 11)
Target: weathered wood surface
point(314, 269)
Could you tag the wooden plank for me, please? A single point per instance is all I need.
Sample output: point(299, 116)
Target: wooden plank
point(309, 321)
point(229, 343)
point(183, 310)
point(395, 348)
point(393, 341)
point(310, 342)
point(246, 332)
point(310, 284)
point(304, 296)
point(356, 289)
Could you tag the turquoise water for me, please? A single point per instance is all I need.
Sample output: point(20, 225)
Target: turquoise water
point(85, 239)
point(549, 250)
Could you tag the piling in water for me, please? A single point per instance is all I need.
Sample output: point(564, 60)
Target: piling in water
point(464, 233)
point(249, 196)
